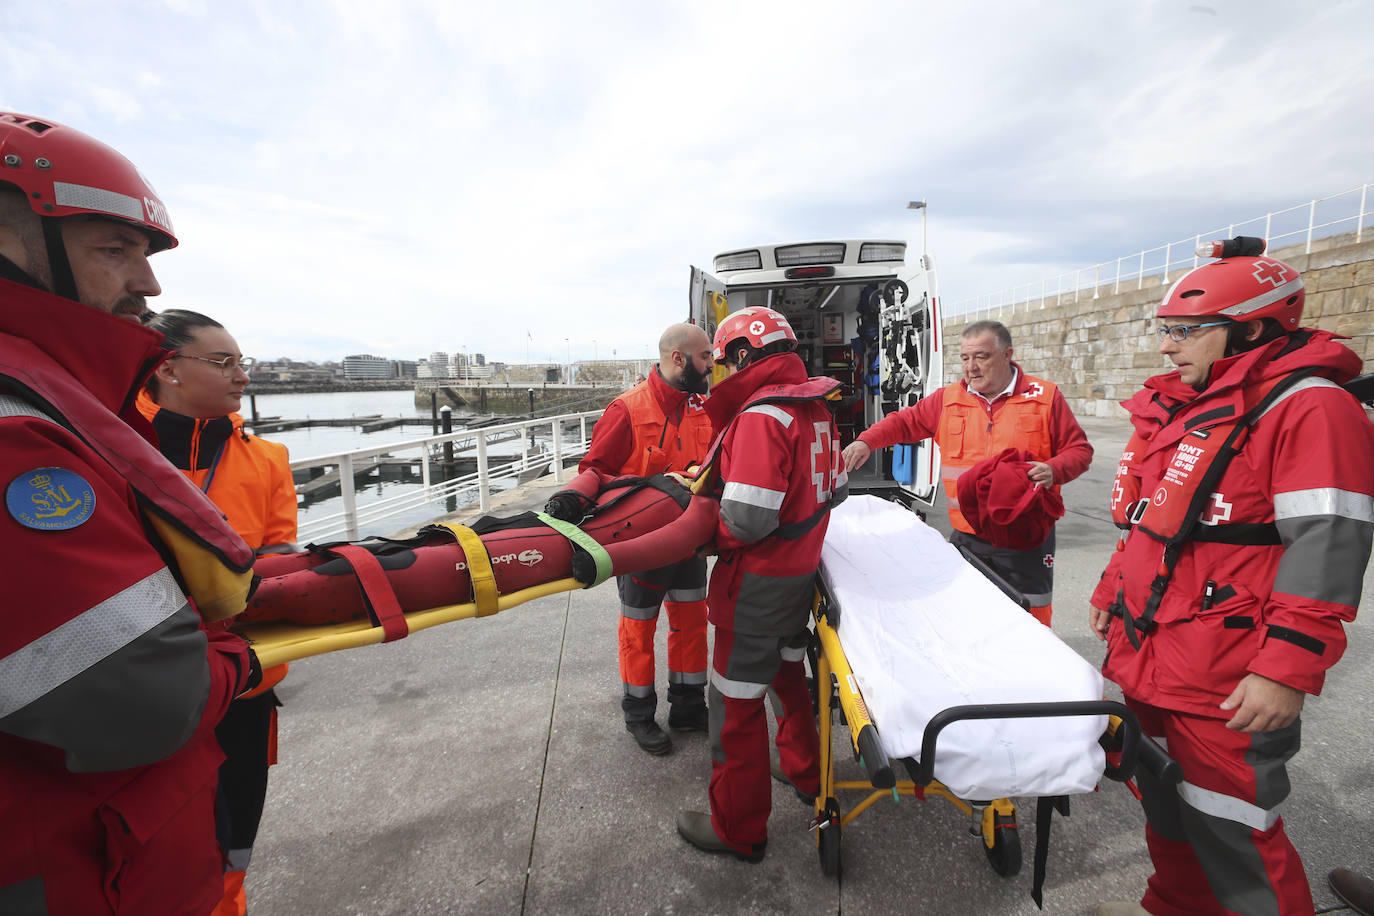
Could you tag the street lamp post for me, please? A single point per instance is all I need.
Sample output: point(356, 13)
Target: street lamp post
point(920, 205)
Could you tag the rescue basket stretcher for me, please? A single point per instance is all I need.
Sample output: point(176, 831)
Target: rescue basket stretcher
point(978, 701)
point(346, 595)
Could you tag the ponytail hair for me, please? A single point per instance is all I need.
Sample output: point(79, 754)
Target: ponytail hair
point(178, 327)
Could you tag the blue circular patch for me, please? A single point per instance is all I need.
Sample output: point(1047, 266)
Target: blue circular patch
point(50, 499)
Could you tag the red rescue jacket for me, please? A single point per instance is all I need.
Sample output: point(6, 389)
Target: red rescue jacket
point(1276, 564)
point(107, 749)
point(777, 470)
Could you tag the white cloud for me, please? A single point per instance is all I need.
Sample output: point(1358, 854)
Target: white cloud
point(439, 175)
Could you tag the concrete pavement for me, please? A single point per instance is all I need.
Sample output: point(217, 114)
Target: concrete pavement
point(482, 767)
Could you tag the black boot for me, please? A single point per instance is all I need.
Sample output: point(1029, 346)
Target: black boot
point(650, 737)
point(687, 708)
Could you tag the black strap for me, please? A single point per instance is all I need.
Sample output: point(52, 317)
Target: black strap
point(1045, 806)
point(1247, 534)
point(797, 529)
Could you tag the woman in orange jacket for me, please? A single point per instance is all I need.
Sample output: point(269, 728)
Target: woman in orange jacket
point(192, 401)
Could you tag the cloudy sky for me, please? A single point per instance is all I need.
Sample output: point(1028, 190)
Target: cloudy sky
point(536, 177)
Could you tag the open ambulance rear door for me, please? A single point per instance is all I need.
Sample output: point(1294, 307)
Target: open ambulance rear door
point(707, 308)
point(910, 367)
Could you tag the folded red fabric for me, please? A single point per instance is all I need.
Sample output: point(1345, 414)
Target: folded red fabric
point(1003, 506)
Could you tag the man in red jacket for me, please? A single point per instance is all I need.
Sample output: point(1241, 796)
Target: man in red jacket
point(656, 427)
point(776, 469)
point(995, 406)
point(1248, 497)
point(110, 686)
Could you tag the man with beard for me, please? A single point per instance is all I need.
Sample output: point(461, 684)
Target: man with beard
point(114, 564)
point(659, 426)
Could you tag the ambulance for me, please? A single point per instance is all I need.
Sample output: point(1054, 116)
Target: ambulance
point(862, 317)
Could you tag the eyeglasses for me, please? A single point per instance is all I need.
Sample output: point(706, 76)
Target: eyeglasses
point(226, 365)
point(1178, 333)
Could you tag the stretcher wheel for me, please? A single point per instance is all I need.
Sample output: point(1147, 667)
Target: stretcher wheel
point(828, 841)
point(1004, 855)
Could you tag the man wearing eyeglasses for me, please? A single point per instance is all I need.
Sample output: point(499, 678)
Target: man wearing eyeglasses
point(1247, 498)
point(112, 562)
point(994, 407)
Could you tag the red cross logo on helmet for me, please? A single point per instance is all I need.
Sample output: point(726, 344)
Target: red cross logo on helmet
point(1271, 272)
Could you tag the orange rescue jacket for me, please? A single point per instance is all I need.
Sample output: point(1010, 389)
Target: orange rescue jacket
point(662, 442)
point(966, 434)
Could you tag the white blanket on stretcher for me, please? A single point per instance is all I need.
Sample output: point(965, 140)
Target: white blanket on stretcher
point(923, 630)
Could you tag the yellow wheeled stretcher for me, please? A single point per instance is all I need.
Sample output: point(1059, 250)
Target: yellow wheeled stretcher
point(1115, 742)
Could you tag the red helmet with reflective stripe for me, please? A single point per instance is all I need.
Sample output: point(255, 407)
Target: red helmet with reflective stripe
point(1239, 288)
point(64, 172)
point(758, 326)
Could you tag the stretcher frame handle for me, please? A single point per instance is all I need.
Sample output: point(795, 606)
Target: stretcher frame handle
point(1136, 747)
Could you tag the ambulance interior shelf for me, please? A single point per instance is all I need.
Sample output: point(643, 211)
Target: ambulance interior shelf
point(838, 362)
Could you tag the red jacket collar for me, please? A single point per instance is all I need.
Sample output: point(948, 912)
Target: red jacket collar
point(1163, 395)
point(109, 356)
point(668, 397)
point(730, 395)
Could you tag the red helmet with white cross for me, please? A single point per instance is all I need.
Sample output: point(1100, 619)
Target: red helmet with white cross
point(64, 172)
point(1241, 288)
point(757, 326)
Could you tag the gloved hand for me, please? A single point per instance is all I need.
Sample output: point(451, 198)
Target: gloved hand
point(567, 506)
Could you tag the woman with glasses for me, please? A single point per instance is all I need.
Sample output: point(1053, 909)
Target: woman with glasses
point(192, 400)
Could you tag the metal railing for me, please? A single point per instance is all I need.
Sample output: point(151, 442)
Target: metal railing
point(352, 519)
point(1296, 224)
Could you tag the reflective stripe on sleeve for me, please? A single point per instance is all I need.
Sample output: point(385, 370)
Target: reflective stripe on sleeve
point(61, 654)
point(737, 690)
point(1301, 385)
point(751, 495)
point(1227, 807)
point(770, 410)
point(1324, 501)
point(789, 654)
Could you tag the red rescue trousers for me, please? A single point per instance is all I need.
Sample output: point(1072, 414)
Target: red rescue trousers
point(1216, 840)
point(743, 667)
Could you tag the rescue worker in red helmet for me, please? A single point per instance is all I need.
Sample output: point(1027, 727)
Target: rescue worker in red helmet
point(659, 426)
point(1225, 602)
point(110, 684)
point(775, 466)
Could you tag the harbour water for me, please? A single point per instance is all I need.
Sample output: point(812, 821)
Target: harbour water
point(326, 440)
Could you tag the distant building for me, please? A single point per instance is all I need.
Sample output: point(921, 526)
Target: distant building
point(480, 359)
point(438, 364)
point(407, 368)
point(365, 365)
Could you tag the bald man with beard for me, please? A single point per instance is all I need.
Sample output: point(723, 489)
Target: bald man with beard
point(660, 425)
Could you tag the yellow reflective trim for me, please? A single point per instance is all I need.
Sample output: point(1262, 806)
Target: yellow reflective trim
point(484, 593)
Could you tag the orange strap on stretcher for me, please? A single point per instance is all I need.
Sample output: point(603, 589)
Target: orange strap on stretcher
point(480, 573)
point(376, 589)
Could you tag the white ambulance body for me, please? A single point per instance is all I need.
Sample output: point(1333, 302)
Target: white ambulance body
point(862, 316)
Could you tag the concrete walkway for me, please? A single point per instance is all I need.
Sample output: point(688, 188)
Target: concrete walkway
point(482, 767)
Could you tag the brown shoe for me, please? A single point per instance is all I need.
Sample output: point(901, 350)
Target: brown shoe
point(695, 827)
point(1355, 890)
point(650, 737)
